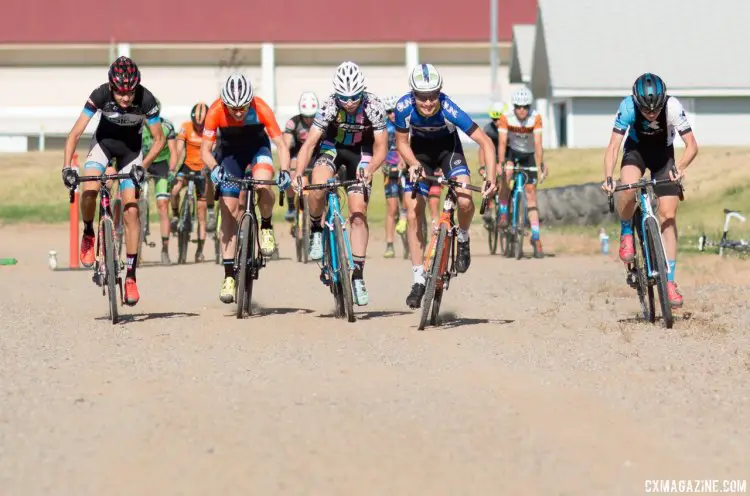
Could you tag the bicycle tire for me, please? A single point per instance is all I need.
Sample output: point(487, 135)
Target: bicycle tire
point(109, 262)
point(520, 227)
point(241, 258)
point(660, 264)
point(120, 227)
point(432, 277)
point(335, 287)
point(143, 213)
point(297, 230)
point(493, 232)
point(644, 289)
point(344, 271)
point(183, 235)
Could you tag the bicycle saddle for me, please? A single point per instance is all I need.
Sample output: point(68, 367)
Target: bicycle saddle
point(727, 211)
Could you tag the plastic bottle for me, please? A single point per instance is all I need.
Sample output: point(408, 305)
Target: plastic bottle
point(604, 240)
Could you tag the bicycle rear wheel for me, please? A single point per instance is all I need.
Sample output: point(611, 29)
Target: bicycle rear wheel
point(246, 256)
point(185, 229)
point(344, 271)
point(432, 276)
point(659, 263)
point(110, 254)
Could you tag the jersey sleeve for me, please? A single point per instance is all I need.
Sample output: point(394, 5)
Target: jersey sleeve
point(403, 110)
point(151, 109)
point(676, 116)
point(625, 116)
point(538, 124)
point(455, 115)
point(267, 118)
point(212, 122)
point(326, 113)
point(96, 100)
point(375, 113)
point(169, 132)
point(183, 132)
point(502, 125)
point(290, 126)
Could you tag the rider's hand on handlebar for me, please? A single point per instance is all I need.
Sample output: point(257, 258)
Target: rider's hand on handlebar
point(676, 174)
point(69, 177)
point(298, 184)
point(489, 188)
point(363, 172)
point(415, 173)
point(609, 185)
point(284, 180)
point(217, 174)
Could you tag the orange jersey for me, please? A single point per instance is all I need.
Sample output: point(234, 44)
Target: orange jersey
point(520, 133)
point(259, 118)
point(192, 140)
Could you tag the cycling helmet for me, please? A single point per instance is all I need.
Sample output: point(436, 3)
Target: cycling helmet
point(522, 97)
point(649, 92)
point(308, 104)
point(390, 103)
point(497, 109)
point(124, 75)
point(348, 80)
point(198, 114)
point(425, 78)
point(237, 91)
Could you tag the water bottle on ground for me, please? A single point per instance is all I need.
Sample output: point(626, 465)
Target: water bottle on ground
point(604, 241)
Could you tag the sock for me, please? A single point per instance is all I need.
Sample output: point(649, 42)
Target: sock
point(672, 267)
point(228, 267)
point(175, 212)
point(359, 267)
point(88, 227)
point(463, 235)
point(389, 245)
point(200, 246)
point(265, 223)
point(503, 207)
point(535, 231)
point(402, 213)
point(626, 227)
point(315, 224)
point(164, 242)
point(131, 263)
point(418, 273)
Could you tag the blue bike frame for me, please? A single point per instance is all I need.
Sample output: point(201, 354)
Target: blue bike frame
point(646, 212)
point(519, 181)
point(330, 253)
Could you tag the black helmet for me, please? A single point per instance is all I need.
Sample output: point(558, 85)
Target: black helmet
point(649, 92)
point(198, 114)
point(124, 75)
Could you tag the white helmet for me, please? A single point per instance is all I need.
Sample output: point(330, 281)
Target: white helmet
point(390, 102)
point(308, 104)
point(348, 80)
point(497, 109)
point(522, 97)
point(237, 91)
point(425, 79)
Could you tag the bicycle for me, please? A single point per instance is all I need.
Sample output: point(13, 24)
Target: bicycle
point(187, 214)
point(495, 233)
point(517, 207)
point(337, 263)
point(248, 260)
point(649, 267)
point(301, 228)
point(108, 264)
point(442, 249)
point(741, 246)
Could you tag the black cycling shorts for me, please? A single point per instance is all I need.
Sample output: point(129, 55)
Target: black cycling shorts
point(658, 160)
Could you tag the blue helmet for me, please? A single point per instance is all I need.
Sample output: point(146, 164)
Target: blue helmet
point(649, 92)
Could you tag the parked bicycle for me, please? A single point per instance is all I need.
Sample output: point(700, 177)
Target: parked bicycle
point(108, 264)
point(741, 246)
point(337, 264)
point(440, 252)
point(649, 267)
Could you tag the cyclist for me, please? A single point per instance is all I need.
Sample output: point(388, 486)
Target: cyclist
point(295, 133)
point(650, 117)
point(392, 181)
point(515, 145)
point(246, 123)
point(491, 129)
point(163, 171)
point(124, 104)
point(189, 140)
point(433, 120)
point(351, 122)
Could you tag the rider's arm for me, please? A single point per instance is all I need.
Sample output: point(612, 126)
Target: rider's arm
point(379, 150)
point(209, 137)
point(538, 149)
point(304, 155)
point(610, 156)
point(677, 118)
point(502, 140)
point(375, 113)
point(403, 147)
point(691, 150)
point(179, 150)
point(74, 136)
point(289, 133)
point(623, 120)
point(159, 141)
point(454, 114)
point(488, 150)
point(268, 119)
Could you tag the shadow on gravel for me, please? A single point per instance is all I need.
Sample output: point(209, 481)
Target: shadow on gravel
point(684, 317)
point(369, 315)
point(262, 312)
point(451, 320)
point(142, 317)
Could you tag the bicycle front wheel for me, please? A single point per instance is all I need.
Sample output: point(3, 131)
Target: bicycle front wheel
point(433, 274)
point(183, 236)
point(110, 254)
point(246, 242)
point(344, 272)
point(659, 263)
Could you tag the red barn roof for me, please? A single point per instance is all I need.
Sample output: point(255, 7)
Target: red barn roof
point(252, 21)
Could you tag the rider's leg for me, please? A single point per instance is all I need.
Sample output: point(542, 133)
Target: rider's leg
point(323, 171)
point(201, 211)
point(434, 202)
point(291, 212)
point(630, 172)
point(162, 205)
point(175, 200)
point(96, 163)
point(263, 170)
point(132, 238)
point(460, 172)
point(533, 213)
point(416, 238)
point(211, 217)
point(668, 200)
point(391, 198)
point(359, 237)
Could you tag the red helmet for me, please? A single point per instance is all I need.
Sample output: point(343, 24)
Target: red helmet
point(124, 75)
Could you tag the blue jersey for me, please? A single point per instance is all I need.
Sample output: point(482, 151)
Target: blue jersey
point(446, 120)
point(391, 128)
point(659, 132)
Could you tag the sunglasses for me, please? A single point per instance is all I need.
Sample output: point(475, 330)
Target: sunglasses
point(349, 99)
point(239, 109)
point(427, 97)
point(525, 107)
point(124, 93)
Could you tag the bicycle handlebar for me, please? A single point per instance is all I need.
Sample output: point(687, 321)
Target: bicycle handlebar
point(452, 183)
point(134, 175)
point(641, 184)
point(332, 185)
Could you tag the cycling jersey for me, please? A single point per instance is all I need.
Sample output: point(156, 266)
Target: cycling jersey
point(148, 140)
point(659, 133)
point(392, 159)
point(520, 133)
point(259, 122)
point(192, 140)
point(444, 122)
point(122, 124)
point(340, 127)
point(296, 128)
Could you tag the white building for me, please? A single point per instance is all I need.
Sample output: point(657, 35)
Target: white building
point(587, 53)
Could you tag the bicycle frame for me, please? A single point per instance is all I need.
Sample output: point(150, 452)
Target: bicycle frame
point(645, 197)
point(520, 179)
point(334, 210)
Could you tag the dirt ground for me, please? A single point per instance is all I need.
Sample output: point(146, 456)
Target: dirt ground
point(540, 381)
